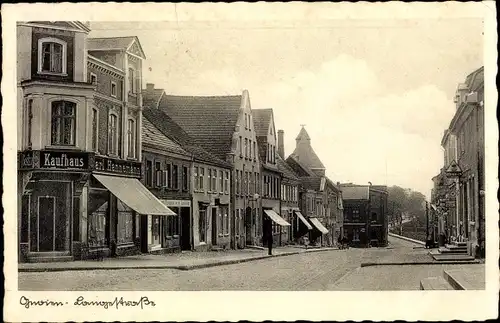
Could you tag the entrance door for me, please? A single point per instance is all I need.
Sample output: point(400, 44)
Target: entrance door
point(185, 228)
point(46, 223)
point(214, 226)
point(155, 229)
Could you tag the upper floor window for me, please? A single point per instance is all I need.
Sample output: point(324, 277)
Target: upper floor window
point(113, 134)
point(113, 89)
point(175, 177)
point(51, 56)
point(241, 147)
point(93, 78)
point(95, 125)
point(246, 121)
point(29, 121)
point(196, 179)
point(201, 181)
point(63, 123)
point(131, 137)
point(246, 148)
point(221, 181)
point(226, 182)
point(184, 178)
point(254, 151)
point(149, 173)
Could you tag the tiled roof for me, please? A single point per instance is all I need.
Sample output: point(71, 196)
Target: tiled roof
point(210, 120)
point(303, 135)
point(261, 120)
point(109, 42)
point(303, 169)
point(262, 147)
point(151, 99)
point(475, 80)
point(154, 137)
point(355, 192)
point(286, 170)
point(173, 131)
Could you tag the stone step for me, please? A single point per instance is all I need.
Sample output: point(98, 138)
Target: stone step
point(451, 257)
point(457, 243)
point(48, 254)
point(50, 259)
point(455, 247)
point(470, 278)
point(435, 283)
point(452, 251)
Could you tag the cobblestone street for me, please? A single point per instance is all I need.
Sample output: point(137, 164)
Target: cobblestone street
point(327, 270)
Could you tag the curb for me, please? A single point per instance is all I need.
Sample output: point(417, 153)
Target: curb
point(406, 238)
point(411, 263)
point(183, 267)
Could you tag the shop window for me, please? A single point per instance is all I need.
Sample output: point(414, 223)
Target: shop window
point(155, 229)
point(113, 134)
point(131, 131)
point(185, 179)
point(125, 225)
point(98, 206)
point(52, 56)
point(63, 123)
point(202, 225)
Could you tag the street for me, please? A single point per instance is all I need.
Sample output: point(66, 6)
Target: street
point(328, 270)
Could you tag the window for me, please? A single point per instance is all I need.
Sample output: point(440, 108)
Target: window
point(168, 175)
point(125, 229)
point(241, 147)
point(149, 173)
point(246, 121)
point(172, 224)
point(202, 225)
point(274, 155)
point(51, 56)
point(113, 134)
point(250, 148)
point(159, 174)
point(113, 89)
point(93, 79)
point(202, 175)
point(196, 179)
point(98, 204)
point(246, 148)
point(226, 222)
point(131, 138)
point(249, 122)
point(185, 178)
point(214, 180)
point(29, 122)
point(355, 215)
point(175, 177)
point(63, 123)
point(95, 125)
point(131, 80)
point(237, 182)
point(226, 182)
point(254, 151)
point(221, 181)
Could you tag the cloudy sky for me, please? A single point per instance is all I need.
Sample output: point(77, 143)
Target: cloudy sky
point(375, 94)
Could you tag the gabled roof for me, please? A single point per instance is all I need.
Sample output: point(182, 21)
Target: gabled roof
point(152, 99)
point(153, 137)
point(304, 152)
point(355, 192)
point(71, 25)
point(285, 169)
point(128, 43)
point(261, 121)
point(330, 183)
point(475, 80)
point(209, 120)
point(299, 168)
point(173, 131)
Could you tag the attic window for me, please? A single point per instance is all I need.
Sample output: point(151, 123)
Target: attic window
point(51, 56)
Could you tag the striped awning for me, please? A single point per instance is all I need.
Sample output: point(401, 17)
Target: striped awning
point(318, 225)
point(303, 219)
point(276, 218)
point(135, 195)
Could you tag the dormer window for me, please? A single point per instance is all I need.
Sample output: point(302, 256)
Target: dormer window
point(51, 56)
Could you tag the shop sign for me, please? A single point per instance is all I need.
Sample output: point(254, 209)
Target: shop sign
point(176, 203)
point(64, 160)
point(117, 166)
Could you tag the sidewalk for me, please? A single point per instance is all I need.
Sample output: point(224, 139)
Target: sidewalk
point(180, 261)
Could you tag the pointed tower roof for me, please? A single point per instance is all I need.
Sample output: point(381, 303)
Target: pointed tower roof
point(304, 152)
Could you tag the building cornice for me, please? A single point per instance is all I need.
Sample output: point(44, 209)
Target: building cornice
point(105, 67)
point(36, 25)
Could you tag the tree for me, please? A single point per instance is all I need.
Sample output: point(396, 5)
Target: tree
point(405, 203)
point(396, 200)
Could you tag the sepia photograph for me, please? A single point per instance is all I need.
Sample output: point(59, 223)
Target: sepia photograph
point(262, 152)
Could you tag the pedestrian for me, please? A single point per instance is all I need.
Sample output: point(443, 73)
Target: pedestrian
point(269, 235)
point(339, 241)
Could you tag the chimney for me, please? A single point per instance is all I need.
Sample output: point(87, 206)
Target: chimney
point(281, 146)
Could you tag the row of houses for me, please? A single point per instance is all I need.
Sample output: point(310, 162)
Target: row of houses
point(458, 192)
point(111, 167)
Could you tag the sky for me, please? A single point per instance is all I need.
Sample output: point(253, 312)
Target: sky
point(374, 94)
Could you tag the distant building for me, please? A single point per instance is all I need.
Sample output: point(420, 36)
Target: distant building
point(365, 214)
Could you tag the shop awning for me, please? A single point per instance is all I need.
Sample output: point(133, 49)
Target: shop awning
point(276, 218)
point(318, 225)
point(131, 192)
point(303, 219)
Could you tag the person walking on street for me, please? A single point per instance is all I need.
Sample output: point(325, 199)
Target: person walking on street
point(269, 235)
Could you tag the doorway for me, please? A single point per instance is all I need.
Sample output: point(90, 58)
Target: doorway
point(47, 223)
point(214, 226)
point(248, 226)
point(185, 228)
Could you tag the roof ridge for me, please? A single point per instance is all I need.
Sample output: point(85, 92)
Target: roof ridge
point(203, 96)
